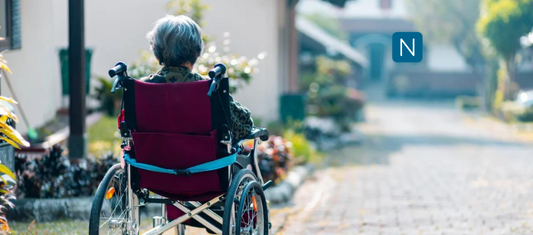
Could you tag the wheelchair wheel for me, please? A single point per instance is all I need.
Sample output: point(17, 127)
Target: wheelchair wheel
point(109, 211)
point(245, 210)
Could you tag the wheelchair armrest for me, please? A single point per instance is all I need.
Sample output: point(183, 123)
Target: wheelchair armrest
point(256, 132)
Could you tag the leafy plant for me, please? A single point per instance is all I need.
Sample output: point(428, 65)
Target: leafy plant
point(191, 8)
point(11, 136)
point(54, 176)
point(8, 180)
point(511, 111)
point(274, 156)
point(467, 102)
point(302, 150)
point(7, 132)
point(108, 102)
point(328, 96)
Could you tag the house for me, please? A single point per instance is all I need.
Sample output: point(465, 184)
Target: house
point(315, 41)
point(371, 23)
point(35, 31)
point(115, 30)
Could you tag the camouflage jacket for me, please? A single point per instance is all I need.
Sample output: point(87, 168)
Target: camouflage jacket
point(240, 115)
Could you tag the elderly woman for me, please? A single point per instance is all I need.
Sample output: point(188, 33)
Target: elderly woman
point(176, 42)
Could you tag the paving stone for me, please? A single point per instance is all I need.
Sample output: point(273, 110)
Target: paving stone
point(436, 174)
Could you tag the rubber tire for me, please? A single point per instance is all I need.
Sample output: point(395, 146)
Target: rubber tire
point(94, 219)
point(230, 196)
point(255, 185)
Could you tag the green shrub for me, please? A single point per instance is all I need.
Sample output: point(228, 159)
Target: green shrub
point(302, 150)
point(512, 112)
point(109, 103)
point(468, 102)
point(527, 115)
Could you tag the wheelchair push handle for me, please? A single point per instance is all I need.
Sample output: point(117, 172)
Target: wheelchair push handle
point(120, 71)
point(119, 68)
point(218, 70)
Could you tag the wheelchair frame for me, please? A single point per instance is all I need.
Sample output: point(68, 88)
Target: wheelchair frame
point(189, 214)
point(191, 209)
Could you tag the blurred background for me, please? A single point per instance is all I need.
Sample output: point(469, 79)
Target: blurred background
point(414, 146)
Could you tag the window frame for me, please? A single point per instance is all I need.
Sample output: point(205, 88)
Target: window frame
point(12, 38)
point(6, 43)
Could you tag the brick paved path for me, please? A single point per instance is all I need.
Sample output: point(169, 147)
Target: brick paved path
point(420, 170)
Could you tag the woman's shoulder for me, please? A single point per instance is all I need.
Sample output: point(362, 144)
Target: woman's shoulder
point(173, 74)
point(199, 77)
point(153, 78)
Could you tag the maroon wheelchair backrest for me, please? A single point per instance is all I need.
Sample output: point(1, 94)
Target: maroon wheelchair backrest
point(173, 127)
point(173, 107)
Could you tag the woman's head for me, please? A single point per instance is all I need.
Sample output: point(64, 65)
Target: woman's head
point(176, 40)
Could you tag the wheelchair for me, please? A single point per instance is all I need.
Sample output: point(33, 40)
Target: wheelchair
point(178, 152)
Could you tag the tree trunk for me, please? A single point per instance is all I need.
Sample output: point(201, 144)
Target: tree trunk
point(510, 70)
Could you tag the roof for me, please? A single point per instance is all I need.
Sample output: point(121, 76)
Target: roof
point(377, 25)
point(329, 42)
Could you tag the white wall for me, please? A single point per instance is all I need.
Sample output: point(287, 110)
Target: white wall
point(36, 74)
point(116, 31)
point(354, 9)
point(253, 26)
point(445, 58)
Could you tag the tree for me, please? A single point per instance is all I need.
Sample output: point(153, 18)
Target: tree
point(503, 23)
point(451, 22)
point(328, 24)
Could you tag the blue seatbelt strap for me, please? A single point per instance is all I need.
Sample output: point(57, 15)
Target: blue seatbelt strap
point(147, 167)
point(214, 165)
point(208, 166)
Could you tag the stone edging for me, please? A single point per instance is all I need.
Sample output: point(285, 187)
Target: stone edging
point(284, 191)
point(44, 210)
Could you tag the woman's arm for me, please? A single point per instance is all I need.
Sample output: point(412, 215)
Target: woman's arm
point(241, 118)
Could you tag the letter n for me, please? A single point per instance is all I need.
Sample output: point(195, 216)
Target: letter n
point(409, 49)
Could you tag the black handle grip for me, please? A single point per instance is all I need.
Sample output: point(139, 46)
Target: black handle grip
point(218, 70)
point(120, 67)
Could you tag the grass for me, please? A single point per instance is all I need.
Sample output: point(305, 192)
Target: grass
point(76, 227)
point(468, 102)
point(104, 137)
point(72, 227)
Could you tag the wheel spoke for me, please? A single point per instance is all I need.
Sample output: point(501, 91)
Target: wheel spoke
point(114, 211)
point(246, 213)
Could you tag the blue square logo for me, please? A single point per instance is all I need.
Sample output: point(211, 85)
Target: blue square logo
point(407, 47)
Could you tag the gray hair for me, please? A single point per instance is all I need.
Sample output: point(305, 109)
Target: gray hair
point(176, 40)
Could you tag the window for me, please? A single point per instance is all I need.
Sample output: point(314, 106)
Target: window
point(10, 24)
point(385, 4)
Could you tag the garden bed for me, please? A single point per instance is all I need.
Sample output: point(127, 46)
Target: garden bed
point(58, 209)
